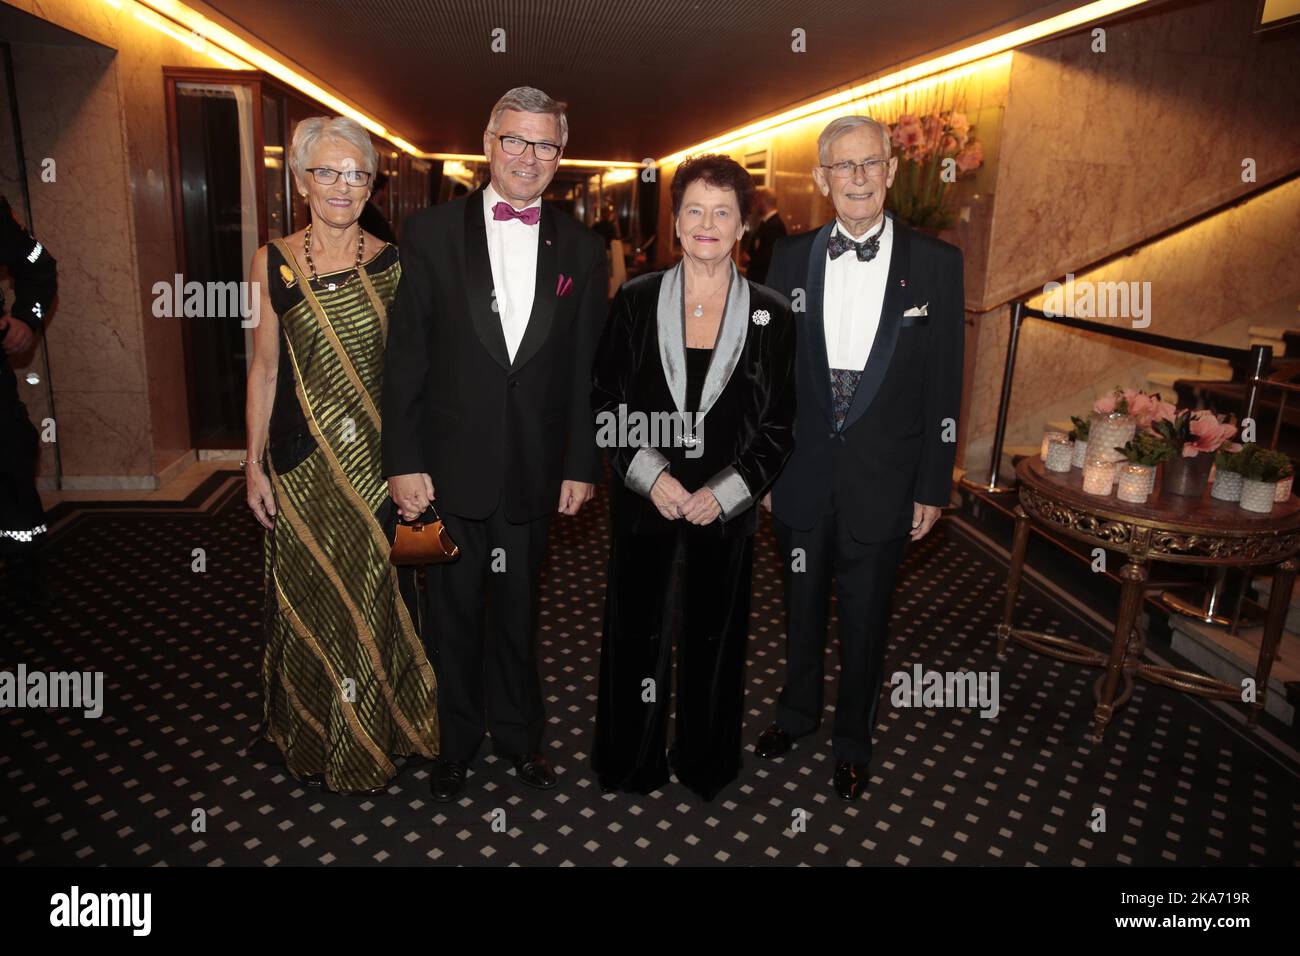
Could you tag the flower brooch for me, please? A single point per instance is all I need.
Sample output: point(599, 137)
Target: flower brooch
point(761, 317)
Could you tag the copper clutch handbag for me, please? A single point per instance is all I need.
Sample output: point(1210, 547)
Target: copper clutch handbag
point(423, 541)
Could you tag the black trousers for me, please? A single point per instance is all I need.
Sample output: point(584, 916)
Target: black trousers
point(689, 590)
point(485, 658)
point(21, 512)
point(863, 576)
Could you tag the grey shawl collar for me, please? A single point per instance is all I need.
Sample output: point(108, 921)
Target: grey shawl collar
point(672, 338)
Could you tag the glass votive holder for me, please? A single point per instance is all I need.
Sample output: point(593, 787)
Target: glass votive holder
point(1135, 483)
point(1080, 453)
point(1283, 492)
point(1257, 496)
point(1099, 475)
point(1226, 486)
point(1050, 436)
point(1060, 453)
point(1107, 432)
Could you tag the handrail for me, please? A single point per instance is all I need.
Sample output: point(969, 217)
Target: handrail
point(1257, 359)
point(1147, 338)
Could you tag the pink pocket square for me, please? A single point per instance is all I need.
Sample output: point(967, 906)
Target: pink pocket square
point(564, 285)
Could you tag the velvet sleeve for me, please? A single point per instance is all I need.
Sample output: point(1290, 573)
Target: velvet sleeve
point(638, 468)
point(747, 478)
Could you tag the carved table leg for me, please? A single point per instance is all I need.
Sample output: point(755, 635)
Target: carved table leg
point(1134, 576)
point(1279, 602)
point(1019, 542)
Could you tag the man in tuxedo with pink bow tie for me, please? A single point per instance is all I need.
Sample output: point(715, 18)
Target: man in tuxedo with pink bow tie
point(486, 414)
point(878, 379)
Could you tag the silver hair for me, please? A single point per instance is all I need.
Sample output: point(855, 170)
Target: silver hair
point(309, 134)
point(841, 125)
point(528, 99)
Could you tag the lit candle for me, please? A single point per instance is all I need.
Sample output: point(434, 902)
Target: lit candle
point(1059, 454)
point(1135, 482)
point(1098, 475)
point(1049, 436)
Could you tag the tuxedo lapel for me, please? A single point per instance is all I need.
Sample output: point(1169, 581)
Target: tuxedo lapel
point(544, 292)
point(891, 315)
point(816, 362)
point(479, 291)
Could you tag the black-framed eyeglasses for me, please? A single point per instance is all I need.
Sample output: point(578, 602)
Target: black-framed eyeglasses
point(515, 146)
point(328, 177)
point(846, 168)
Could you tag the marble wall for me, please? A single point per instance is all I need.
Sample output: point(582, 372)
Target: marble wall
point(97, 110)
point(1103, 150)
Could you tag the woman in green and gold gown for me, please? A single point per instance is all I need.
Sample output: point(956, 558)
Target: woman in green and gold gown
point(346, 683)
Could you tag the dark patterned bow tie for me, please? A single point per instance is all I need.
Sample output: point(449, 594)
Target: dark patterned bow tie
point(866, 249)
point(503, 210)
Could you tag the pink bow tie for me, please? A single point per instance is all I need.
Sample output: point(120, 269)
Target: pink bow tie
point(503, 210)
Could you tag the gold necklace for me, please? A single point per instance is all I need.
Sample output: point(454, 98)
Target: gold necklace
point(311, 267)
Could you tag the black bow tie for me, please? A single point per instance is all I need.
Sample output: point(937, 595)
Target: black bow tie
point(866, 249)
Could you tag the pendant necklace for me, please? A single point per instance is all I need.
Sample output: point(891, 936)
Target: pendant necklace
point(356, 268)
point(699, 309)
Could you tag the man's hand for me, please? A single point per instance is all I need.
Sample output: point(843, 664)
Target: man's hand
point(20, 336)
point(575, 494)
point(702, 507)
point(668, 496)
point(923, 519)
point(411, 494)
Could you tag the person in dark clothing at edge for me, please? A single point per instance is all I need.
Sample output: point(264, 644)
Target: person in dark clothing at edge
point(22, 519)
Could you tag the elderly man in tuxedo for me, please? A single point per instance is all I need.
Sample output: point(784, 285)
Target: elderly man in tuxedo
point(485, 411)
point(878, 392)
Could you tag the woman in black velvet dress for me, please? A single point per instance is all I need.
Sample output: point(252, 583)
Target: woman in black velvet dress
point(701, 344)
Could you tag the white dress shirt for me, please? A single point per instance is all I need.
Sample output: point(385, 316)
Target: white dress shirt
point(853, 299)
point(512, 249)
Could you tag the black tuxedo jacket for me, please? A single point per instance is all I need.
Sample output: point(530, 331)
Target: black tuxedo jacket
point(898, 442)
point(748, 397)
point(487, 430)
point(761, 249)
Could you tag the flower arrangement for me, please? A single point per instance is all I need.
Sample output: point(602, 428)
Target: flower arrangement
point(1145, 407)
point(1147, 448)
point(1190, 433)
point(933, 148)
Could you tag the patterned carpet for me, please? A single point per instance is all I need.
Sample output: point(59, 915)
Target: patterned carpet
point(1179, 783)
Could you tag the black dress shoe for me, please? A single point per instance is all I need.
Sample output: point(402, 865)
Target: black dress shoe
point(851, 779)
point(535, 772)
point(772, 743)
point(448, 780)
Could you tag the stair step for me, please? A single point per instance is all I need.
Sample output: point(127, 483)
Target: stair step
point(1233, 658)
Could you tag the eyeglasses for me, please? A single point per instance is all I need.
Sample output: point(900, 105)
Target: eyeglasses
point(514, 146)
point(328, 177)
point(845, 169)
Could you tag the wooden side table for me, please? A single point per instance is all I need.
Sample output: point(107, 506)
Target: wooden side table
point(1182, 530)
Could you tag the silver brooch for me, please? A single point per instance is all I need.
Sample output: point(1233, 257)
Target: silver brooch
point(761, 317)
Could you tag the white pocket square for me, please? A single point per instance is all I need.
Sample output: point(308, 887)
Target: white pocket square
point(918, 310)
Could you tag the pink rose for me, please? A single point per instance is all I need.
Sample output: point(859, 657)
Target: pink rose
point(1208, 433)
point(1105, 405)
point(958, 123)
